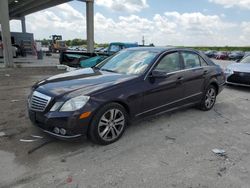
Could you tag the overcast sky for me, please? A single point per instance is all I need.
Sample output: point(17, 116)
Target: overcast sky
point(162, 22)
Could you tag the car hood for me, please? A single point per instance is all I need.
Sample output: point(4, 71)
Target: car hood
point(240, 67)
point(80, 82)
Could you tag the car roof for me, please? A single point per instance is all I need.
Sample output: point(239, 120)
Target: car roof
point(161, 49)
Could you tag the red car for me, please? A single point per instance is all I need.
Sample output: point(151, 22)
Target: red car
point(221, 55)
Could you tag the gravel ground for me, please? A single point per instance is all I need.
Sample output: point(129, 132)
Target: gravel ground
point(171, 150)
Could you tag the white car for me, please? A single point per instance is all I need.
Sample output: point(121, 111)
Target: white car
point(239, 73)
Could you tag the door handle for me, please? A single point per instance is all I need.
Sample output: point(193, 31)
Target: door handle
point(205, 72)
point(180, 79)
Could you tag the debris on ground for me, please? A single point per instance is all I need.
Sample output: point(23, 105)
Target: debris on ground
point(27, 140)
point(2, 134)
point(7, 75)
point(14, 100)
point(170, 138)
point(36, 136)
point(248, 133)
point(219, 152)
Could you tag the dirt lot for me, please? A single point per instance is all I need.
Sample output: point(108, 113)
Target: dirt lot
point(171, 150)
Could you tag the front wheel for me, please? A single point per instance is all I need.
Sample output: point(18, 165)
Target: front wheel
point(108, 124)
point(209, 98)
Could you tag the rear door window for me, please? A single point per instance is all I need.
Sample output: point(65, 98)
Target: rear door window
point(190, 60)
point(203, 62)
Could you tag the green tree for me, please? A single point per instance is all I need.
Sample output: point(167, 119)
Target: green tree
point(78, 42)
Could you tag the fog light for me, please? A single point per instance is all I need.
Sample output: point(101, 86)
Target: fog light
point(56, 130)
point(62, 131)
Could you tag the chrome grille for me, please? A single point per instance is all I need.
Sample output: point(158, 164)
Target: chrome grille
point(38, 101)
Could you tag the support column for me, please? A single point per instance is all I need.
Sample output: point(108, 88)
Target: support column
point(23, 25)
point(6, 37)
point(90, 25)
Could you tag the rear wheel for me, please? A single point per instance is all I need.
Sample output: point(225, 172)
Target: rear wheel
point(209, 98)
point(108, 124)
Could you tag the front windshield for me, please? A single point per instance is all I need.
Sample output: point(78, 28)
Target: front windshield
point(128, 62)
point(246, 60)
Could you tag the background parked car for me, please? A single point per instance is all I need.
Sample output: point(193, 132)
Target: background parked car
point(84, 59)
point(239, 73)
point(236, 55)
point(98, 49)
point(221, 55)
point(211, 53)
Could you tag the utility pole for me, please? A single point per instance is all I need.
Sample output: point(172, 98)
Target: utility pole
point(90, 25)
point(143, 41)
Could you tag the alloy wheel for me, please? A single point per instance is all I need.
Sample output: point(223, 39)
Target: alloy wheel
point(111, 124)
point(210, 98)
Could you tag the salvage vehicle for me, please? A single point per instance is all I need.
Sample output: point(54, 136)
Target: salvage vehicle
point(85, 59)
point(211, 53)
point(134, 83)
point(239, 73)
point(221, 55)
point(236, 55)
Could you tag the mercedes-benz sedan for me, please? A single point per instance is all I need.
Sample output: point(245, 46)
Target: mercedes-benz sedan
point(239, 73)
point(101, 101)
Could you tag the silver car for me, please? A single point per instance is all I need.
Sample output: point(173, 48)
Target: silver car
point(239, 73)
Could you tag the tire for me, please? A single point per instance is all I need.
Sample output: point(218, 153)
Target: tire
point(209, 98)
point(106, 128)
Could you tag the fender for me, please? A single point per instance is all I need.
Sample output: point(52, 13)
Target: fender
point(212, 81)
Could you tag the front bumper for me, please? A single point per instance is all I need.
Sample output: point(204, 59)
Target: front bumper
point(68, 121)
point(239, 79)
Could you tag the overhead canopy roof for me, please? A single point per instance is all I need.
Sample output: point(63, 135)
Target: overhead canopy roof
point(20, 8)
point(17, 9)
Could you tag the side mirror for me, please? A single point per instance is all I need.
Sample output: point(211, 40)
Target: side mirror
point(158, 74)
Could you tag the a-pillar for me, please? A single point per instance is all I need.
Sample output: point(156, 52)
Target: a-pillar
point(90, 25)
point(6, 37)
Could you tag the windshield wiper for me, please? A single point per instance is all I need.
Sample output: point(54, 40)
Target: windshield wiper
point(107, 70)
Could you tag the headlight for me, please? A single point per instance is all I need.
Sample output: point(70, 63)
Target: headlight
point(71, 104)
point(229, 71)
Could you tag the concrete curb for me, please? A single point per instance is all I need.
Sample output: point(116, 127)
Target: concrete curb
point(31, 65)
